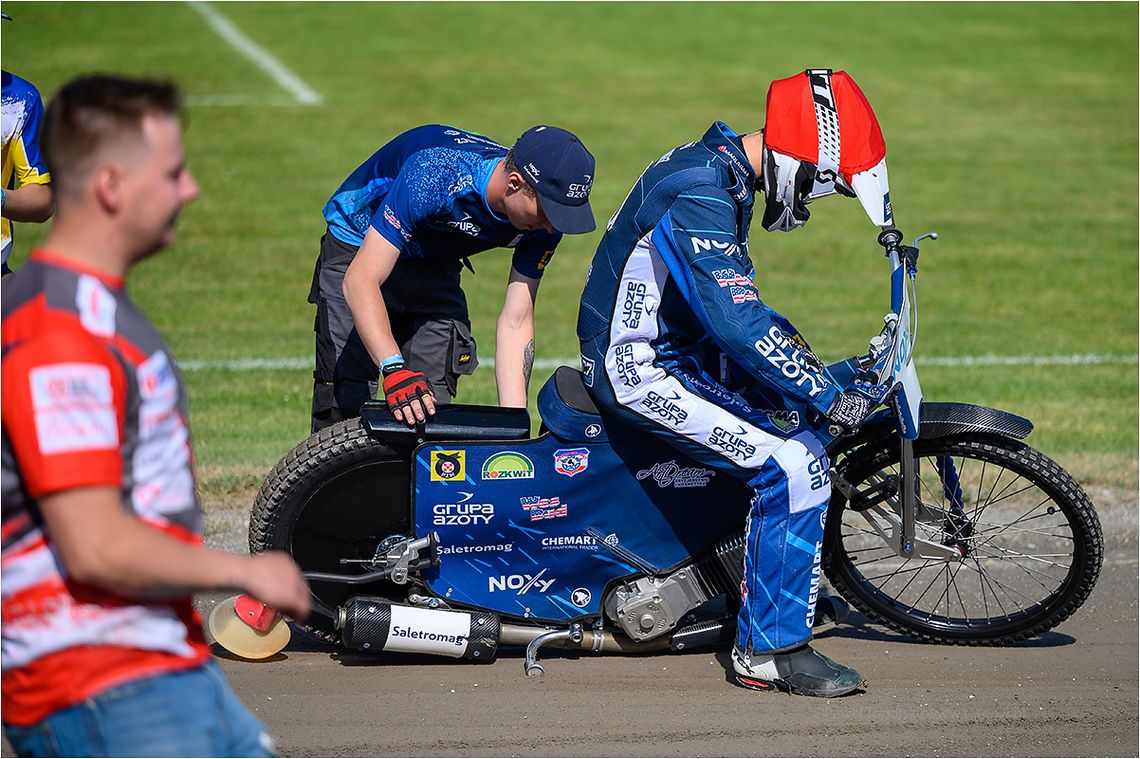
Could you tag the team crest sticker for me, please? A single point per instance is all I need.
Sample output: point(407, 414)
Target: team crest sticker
point(581, 597)
point(447, 466)
point(571, 461)
point(508, 465)
point(587, 371)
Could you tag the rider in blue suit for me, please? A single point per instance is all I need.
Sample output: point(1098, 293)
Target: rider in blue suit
point(676, 340)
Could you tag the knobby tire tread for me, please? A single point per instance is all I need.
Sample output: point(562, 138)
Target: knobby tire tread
point(279, 499)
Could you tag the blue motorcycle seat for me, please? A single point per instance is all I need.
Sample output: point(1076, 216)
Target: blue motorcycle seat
point(568, 411)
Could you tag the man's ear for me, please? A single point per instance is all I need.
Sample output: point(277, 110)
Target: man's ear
point(515, 181)
point(107, 185)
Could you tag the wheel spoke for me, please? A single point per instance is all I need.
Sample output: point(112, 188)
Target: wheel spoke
point(995, 504)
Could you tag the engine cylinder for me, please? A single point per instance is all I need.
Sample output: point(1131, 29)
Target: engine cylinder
point(368, 623)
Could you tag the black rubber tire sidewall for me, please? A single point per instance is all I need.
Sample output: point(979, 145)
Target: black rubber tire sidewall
point(1015, 456)
point(342, 450)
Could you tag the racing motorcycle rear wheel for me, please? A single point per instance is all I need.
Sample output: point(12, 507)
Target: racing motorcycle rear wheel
point(335, 496)
point(1030, 542)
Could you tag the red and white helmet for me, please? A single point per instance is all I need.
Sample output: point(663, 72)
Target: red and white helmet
point(821, 137)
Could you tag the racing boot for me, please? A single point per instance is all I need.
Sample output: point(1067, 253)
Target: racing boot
point(802, 671)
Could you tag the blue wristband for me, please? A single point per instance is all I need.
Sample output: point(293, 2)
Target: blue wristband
point(390, 362)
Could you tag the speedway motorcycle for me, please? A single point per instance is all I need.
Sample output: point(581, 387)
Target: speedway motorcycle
point(467, 534)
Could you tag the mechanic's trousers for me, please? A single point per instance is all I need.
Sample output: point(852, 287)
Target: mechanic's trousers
point(428, 313)
point(774, 452)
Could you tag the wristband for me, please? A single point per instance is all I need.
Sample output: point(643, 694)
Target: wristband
point(391, 364)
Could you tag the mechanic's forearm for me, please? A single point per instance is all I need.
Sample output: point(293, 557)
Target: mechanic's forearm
point(32, 202)
point(514, 359)
point(369, 314)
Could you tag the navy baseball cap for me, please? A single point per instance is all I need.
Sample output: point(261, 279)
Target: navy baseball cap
point(561, 171)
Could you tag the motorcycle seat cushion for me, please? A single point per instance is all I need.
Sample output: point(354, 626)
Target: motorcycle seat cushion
point(568, 411)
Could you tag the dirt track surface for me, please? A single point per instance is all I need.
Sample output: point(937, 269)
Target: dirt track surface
point(1072, 692)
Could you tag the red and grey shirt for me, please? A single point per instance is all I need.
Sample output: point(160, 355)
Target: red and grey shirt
point(91, 397)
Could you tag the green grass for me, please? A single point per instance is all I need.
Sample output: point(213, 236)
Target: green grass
point(1011, 129)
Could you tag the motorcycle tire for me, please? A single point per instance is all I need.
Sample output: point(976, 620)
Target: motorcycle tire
point(1031, 542)
point(335, 496)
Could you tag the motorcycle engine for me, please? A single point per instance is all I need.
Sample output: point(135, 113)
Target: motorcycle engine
point(648, 606)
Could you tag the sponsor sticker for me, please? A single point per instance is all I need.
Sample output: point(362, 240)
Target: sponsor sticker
point(448, 465)
point(732, 442)
point(543, 508)
point(782, 353)
point(784, 420)
point(626, 365)
point(74, 408)
point(463, 513)
point(581, 597)
point(571, 461)
point(459, 550)
point(633, 306)
point(665, 406)
point(466, 226)
point(701, 245)
point(428, 630)
point(97, 306)
point(521, 584)
point(575, 542)
point(671, 474)
point(508, 465)
point(588, 371)
point(390, 217)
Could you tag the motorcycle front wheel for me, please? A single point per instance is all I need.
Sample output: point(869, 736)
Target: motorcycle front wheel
point(1029, 541)
point(334, 497)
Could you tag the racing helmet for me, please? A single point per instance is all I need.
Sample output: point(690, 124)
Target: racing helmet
point(821, 137)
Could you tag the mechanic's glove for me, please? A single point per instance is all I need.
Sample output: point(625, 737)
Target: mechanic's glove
point(848, 412)
point(402, 386)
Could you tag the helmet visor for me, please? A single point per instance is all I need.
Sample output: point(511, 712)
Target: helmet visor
point(874, 193)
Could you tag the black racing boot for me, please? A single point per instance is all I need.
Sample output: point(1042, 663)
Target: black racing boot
point(802, 671)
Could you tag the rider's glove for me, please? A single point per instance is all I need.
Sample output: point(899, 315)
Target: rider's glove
point(849, 411)
point(402, 386)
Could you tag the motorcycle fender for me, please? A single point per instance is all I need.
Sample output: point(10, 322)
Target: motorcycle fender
point(938, 420)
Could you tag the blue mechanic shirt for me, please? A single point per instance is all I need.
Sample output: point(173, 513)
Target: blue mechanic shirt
point(425, 192)
point(671, 283)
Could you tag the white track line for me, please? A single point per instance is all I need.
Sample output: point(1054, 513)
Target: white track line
point(227, 101)
point(290, 82)
point(1084, 359)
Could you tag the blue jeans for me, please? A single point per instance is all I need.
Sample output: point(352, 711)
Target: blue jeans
point(189, 713)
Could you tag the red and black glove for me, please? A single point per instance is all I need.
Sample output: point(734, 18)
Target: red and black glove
point(401, 387)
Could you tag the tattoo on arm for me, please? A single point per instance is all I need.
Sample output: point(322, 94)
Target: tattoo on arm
point(528, 361)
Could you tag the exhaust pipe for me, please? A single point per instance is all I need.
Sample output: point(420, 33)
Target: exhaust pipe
point(368, 623)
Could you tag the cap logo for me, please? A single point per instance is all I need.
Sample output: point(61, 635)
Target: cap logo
point(532, 172)
point(580, 189)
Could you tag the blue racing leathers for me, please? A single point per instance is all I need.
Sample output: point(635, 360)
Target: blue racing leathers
point(676, 341)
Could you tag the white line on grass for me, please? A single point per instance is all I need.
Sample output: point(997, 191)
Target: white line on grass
point(258, 101)
point(1083, 359)
point(301, 92)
